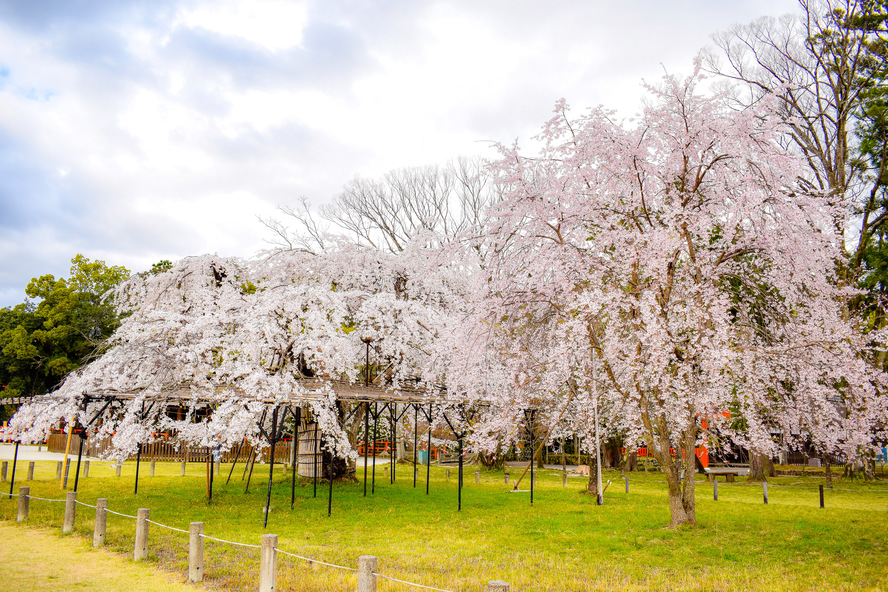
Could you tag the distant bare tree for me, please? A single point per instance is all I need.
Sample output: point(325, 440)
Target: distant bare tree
point(386, 213)
point(817, 62)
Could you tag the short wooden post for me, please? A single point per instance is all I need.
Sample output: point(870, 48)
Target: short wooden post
point(496, 586)
point(151, 472)
point(195, 552)
point(219, 467)
point(59, 470)
point(715, 489)
point(507, 477)
point(627, 483)
point(140, 550)
point(765, 491)
point(118, 469)
point(101, 521)
point(182, 472)
point(564, 479)
point(31, 471)
point(448, 474)
point(86, 468)
point(477, 476)
point(70, 511)
point(821, 496)
point(24, 498)
point(367, 566)
point(67, 472)
point(3, 468)
point(268, 563)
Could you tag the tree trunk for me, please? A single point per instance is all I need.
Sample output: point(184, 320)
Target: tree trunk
point(869, 469)
point(760, 467)
point(679, 472)
point(632, 462)
point(592, 486)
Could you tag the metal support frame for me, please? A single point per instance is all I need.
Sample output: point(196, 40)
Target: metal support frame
point(529, 415)
point(366, 440)
point(459, 439)
point(415, 440)
point(297, 417)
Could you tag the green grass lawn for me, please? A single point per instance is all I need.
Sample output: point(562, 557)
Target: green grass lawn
point(562, 542)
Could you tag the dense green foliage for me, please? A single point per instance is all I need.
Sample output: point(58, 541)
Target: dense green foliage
point(61, 326)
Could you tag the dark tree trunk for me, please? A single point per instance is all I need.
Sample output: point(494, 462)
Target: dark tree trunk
point(632, 462)
point(760, 467)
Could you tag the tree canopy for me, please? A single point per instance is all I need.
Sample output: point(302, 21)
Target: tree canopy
point(63, 326)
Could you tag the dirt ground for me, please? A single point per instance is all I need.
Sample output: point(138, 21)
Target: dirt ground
point(40, 560)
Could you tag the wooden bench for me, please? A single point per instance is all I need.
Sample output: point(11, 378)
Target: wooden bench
point(729, 475)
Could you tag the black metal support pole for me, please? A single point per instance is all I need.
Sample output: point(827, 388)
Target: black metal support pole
point(209, 472)
point(251, 464)
point(79, 456)
point(236, 457)
point(138, 453)
point(366, 442)
point(138, 462)
point(14, 461)
point(532, 456)
point(316, 459)
point(297, 418)
point(273, 438)
point(393, 422)
point(429, 463)
point(459, 487)
point(415, 440)
point(330, 494)
point(375, 426)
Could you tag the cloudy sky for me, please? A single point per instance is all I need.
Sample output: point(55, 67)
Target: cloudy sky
point(134, 131)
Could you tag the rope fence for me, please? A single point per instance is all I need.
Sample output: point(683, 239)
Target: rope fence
point(367, 571)
point(379, 575)
point(203, 536)
point(367, 565)
point(310, 560)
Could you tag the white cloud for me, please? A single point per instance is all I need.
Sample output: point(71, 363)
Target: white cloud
point(164, 134)
point(273, 24)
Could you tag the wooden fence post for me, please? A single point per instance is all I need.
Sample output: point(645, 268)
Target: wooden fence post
point(101, 521)
point(59, 470)
point(24, 498)
point(765, 491)
point(367, 566)
point(3, 468)
point(140, 550)
point(507, 477)
point(268, 563)
point(31, 471)
point(477, 476)
point(70, 511)
point(86, 468)
point(714, 488)
point(117, 469)
point(195, 552)
point(151, 474)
